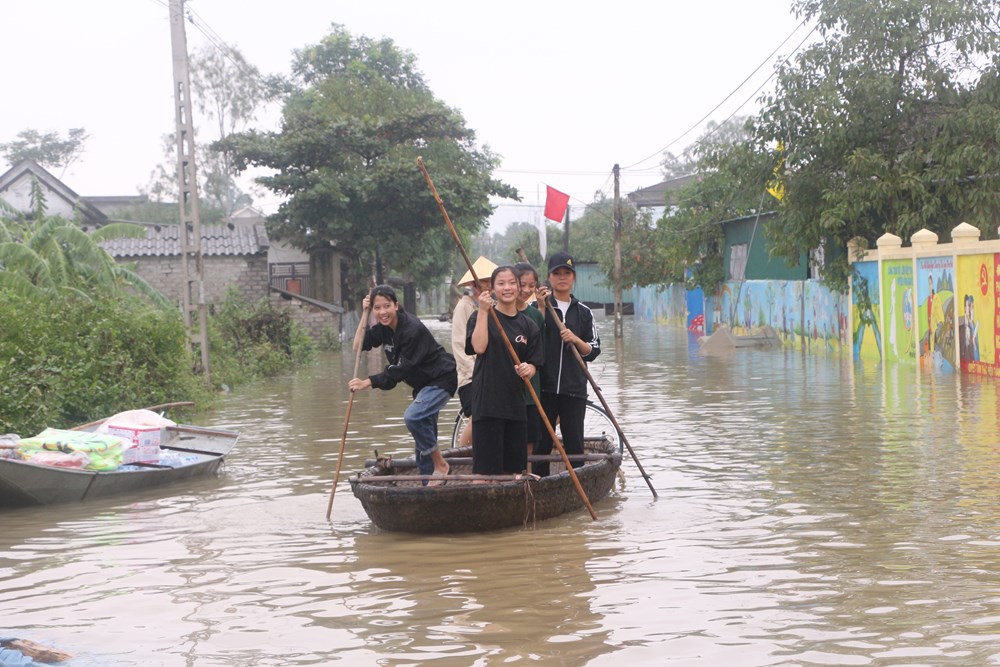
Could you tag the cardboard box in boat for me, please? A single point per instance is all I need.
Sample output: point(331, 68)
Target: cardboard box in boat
point(145, 442)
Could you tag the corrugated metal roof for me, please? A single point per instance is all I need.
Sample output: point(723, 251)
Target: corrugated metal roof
point(662, 193)
point(164, 241)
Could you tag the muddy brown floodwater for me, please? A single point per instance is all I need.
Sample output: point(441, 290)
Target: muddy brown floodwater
point(811, 512)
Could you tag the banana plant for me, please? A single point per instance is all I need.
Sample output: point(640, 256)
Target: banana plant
point(50, 254)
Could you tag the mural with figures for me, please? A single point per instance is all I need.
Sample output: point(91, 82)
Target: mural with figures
point(930, 304)
point(866, 331)
point(977, 310)
point(935, 312)
point(663, 304)
point(802, 312)
point(940, 305)
point(897, 310)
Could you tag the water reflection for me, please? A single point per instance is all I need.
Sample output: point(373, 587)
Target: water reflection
point(811, 511)
point(479, 600)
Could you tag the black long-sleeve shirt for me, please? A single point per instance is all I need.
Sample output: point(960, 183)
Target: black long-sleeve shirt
point(414, 356)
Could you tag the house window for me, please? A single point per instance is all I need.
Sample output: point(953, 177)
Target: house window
point(738, 261)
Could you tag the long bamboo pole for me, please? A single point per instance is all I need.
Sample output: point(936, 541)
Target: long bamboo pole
point(597, 390)
point(350, 403)
point(510, 348)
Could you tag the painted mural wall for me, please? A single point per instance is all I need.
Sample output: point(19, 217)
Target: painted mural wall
point(933, 304)
point(977, 314)
point(928, 304)
point(935, 312)
point(664, 304)
point(897, 313)
point(802, 312)
point(865, 320)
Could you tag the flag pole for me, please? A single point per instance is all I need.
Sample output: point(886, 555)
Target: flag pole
point(510, 348)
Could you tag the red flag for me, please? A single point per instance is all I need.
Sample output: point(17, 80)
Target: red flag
point(555, 204)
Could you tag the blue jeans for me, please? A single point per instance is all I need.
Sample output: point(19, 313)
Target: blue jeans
point(421, 419)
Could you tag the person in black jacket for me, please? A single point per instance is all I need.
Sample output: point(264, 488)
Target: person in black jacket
point(564, 385)
point(417, 359)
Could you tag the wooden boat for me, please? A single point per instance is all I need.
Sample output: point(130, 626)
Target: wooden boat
point(394, 497)
point(189, 451)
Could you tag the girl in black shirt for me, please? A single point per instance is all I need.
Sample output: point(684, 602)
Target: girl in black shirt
point(497, 384)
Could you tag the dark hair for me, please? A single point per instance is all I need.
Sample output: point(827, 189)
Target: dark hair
point(386, 291)
point(524, 267)
point(505, 267)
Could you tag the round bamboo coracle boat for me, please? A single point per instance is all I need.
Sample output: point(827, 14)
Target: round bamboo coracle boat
point(395, 498)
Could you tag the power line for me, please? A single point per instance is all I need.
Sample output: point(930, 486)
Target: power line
point(726, 98)
point(228, 52)
point(759, 88)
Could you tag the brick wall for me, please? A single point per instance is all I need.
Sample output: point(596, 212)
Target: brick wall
point(315, 320)
point(248, 273)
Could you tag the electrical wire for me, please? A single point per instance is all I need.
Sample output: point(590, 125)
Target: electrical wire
point(228, 52)
point(726, 98)
point(719, 126)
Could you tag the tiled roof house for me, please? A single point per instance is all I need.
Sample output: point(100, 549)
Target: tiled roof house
point(15, 189)
point(233, 254)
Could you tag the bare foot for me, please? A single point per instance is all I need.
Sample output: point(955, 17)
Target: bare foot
point(440, 472)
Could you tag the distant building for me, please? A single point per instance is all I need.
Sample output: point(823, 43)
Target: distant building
point(656, 198)
point(15, 189)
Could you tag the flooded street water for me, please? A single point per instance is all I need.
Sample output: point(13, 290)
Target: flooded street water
point(811, 512)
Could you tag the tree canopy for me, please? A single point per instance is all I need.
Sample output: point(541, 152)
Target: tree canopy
point(227, 91)
point(685, 244)
point(357, 115)
point(888, 123)
point(48, 149)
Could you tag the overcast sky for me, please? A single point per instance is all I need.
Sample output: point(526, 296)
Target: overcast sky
point(561, 90)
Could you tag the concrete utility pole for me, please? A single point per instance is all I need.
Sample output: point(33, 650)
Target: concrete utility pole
point(190, 214)
point(619, 319)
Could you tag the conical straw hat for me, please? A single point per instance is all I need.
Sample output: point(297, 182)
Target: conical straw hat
point(484, 269)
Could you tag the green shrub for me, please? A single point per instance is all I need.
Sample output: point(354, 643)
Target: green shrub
point(248, 341)
point(70, 360)
point(65, 361)
point(329, 339)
